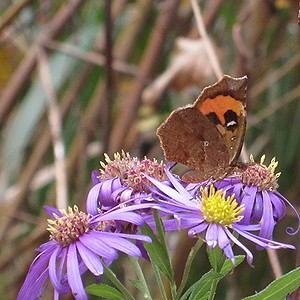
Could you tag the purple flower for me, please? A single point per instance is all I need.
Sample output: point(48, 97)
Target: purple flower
point(77, 243)
point(255, 187)
point(211, 214)
point(120, 180)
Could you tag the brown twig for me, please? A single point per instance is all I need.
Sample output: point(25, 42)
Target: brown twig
point(22, 74)
point(55, 124)
point(11, 13)
point(147, 67)
point(213, 59)
point(90, 56)
point(109, 81)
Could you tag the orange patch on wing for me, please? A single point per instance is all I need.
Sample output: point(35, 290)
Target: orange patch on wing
point(220, 105)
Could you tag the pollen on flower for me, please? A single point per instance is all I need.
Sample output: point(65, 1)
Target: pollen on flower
point(216, 208)
point(131, 170)
point(67, 228)
point(260, 175)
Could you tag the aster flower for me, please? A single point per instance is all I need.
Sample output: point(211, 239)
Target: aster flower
point(120, 180)
point(255, 187)
point(212, 214)
point(79, 242)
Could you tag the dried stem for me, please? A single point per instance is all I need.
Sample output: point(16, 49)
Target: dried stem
point(209, 48)
point(55, 123)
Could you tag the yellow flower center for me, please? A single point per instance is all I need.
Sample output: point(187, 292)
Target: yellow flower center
point(67, 228)
point(216, 208)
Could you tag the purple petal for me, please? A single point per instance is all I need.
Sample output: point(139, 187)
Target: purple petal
point(170, 191)
point(125, 195)
point(93, 241)
point(55, 272)
point(178, 186)
point(223, 240)
point(139, 237)
point(211, 236)
point(74, 277)
point(36, 277)
point(121, 244)
point(197, 229)
point(237, 242)
point(95, 177)
point(290, 230)
point(261, 241)
point(90, 259)
point(122, 215)
point(229, 253)
point(267, 218)
point(92, 200)
point(47, 247)
point(248, 201)
point(279, 206)
point(52, 211)
point(107, 188)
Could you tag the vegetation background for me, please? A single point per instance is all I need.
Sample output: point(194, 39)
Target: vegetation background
point(79, 78)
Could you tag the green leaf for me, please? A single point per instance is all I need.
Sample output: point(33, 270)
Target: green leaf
point(215, 256)
point(188, 266)
point(279, 288)
point(202, 288)
point(158, 253)
point(137, 284)
point(105, 291)
point(228, 266)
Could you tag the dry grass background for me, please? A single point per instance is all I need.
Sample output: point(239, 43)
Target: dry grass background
point(79, 78)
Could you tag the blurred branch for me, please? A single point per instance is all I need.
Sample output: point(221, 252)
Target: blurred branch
point(23, 72)
point(122, 51)
point(55, 123)
point(214, 62)
point(274, 261)
point(90, 56)
point(109, 80)
point(268, 111)
point(153, 50)
point(274, 76)
point(11, 13)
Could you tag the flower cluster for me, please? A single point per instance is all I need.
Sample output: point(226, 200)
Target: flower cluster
point(247, 201)
point(122, 179)
point(81, 241)
point(125, 191)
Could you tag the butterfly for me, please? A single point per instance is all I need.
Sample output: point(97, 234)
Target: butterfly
point(208, 135)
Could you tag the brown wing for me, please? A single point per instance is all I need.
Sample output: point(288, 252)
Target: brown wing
point(188, 137)
point(224, 104)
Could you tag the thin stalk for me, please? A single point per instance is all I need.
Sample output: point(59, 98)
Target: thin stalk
point(113, 278)
point(159, 280)
point(188, 266)
point(161, 233)
point(141, 277)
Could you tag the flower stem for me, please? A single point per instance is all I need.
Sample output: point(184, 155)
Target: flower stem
point(141, 277)
point(159, 280)
point(113, 278)
point(188, 266)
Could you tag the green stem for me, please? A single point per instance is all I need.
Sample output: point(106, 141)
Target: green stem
point(141, 277)
point(158, 278)
point(113, 278)
point(213, 289)
point(188, 266)
point(162, 236)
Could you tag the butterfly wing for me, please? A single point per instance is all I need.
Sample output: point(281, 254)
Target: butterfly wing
point(224, 104)
point(207, 136)
point(188, 137)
